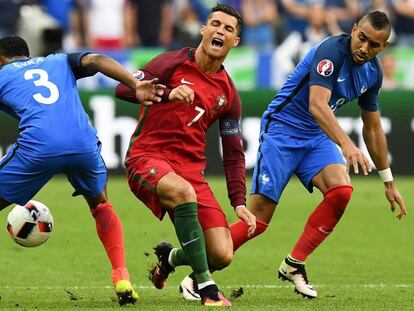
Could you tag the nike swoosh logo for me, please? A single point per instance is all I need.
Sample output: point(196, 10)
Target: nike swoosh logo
point(184, 81)
point(191, 241)
point(341, 79)
point(363, 89)
point(324, 230)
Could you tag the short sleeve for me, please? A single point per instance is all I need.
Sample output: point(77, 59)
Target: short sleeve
point(326, 63)
point(74, 60)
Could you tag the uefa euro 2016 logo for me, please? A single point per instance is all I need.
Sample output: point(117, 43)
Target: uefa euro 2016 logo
point(325, 67)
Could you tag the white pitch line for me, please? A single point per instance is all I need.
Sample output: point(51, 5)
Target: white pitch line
point(380, 285)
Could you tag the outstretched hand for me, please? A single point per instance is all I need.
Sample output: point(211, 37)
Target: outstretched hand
point(248, 217)
point(149, 91)
point(395, 199)
point(355, 157)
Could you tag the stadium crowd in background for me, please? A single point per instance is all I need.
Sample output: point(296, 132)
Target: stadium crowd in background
point(273, 20)
point(171, 24)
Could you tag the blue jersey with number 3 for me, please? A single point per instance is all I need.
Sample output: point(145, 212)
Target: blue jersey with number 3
point(42, 94)
point(329, 65)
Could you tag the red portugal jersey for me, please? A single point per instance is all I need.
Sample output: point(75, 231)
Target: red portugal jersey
point(177, 130)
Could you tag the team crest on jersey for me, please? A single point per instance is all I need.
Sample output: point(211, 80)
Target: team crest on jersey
point(139, 75)
point(152, 171)
point(325, 67)
point(221, 102)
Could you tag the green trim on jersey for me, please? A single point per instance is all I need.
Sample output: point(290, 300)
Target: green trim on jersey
point(142, 181)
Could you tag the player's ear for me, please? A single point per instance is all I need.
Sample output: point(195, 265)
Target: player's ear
point(203, 28)
point(236, 41)
point(354, 28)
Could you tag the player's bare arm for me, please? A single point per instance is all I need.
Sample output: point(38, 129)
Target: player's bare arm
point(376, 142)
point(318, 106)
point(146, 92)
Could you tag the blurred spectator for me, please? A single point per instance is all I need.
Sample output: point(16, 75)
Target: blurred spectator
point(404, 21)
point(259, 19)
point(104, 23)
point(150, 23)
point(296, 45)
point(9, 15)
point(345, 12)
point(202, 8)
point(187, 25)
point(293, 16)
point(41, 31)
point(388, 64)
point(67, 14)
point(380, 5)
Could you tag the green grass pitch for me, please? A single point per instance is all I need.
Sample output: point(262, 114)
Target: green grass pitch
point(366, 264)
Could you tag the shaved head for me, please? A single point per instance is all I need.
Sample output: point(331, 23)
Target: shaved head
point(378, 20)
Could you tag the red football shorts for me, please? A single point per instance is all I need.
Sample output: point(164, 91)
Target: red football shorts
point(143, 175)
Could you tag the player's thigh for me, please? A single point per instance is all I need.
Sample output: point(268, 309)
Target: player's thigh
point(21, 177)
point(86, 173)
point(277, 159)
point(324, 164)
point(143, 175)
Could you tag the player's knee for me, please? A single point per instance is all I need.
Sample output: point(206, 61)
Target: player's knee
point(339, 196)
point(178, 193)
point(221, 261)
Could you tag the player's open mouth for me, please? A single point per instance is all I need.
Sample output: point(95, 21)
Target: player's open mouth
point(217, 43)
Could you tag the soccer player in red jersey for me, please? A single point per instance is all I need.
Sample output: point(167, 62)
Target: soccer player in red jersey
point(166, 160)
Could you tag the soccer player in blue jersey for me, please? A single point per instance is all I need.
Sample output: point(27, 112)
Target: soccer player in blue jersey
point(300, 135)
point(55, 136)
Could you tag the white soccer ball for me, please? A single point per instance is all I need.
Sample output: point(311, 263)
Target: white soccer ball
point(30, 225)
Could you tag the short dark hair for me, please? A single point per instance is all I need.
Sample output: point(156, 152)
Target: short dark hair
point(13, 46)
point(225, 8)
point(379, 20)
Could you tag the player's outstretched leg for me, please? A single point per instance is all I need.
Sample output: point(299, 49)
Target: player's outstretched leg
point(109, 229)
point(162, 269)
point(294, 271)
point(189, 289)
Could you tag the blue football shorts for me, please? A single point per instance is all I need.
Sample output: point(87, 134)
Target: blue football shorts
point(281, 155)
point(22, 176)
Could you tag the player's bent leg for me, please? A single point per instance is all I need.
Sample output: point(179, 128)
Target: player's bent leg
point(176, 194)
point(334, 182)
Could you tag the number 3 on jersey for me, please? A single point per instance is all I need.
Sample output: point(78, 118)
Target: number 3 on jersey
point(198, 116)
point(42, 80)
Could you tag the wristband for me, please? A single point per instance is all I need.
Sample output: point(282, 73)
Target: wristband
point(385, 175)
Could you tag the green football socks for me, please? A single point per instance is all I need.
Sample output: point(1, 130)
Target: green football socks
point(191, 238)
